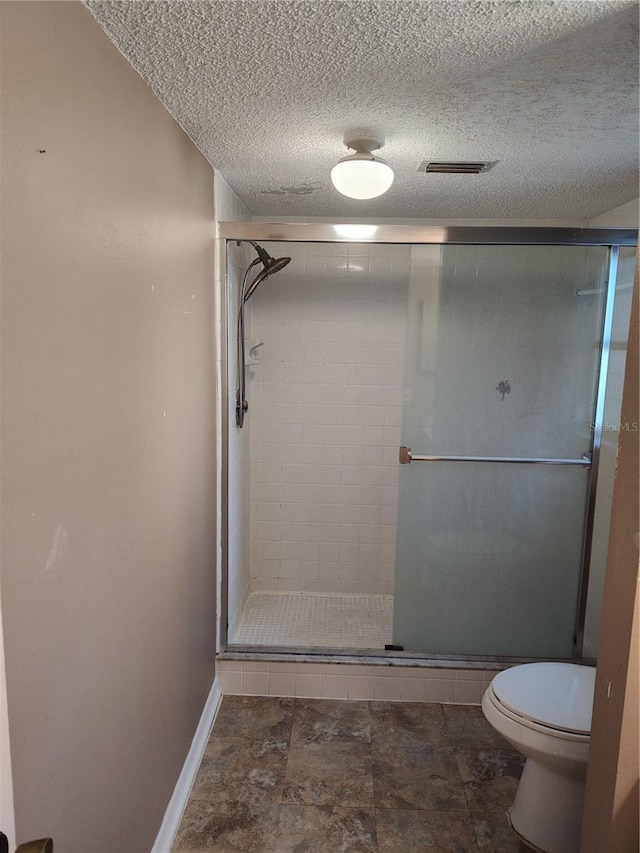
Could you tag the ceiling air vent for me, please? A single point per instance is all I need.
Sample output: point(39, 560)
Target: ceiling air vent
point(446, 167)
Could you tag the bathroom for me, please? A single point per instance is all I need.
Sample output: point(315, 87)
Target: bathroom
point(145, 140)
point(355, 351)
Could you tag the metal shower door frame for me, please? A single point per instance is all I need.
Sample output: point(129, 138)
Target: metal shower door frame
point(612, 238)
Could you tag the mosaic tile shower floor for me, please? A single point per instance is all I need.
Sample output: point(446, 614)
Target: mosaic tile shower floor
point(305, 619)
point(324, 776)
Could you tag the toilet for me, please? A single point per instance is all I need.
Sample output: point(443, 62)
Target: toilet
point(544, 711)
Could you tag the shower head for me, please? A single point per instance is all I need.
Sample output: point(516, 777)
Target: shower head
point(276, 264)
point(269, 263)
point(270, 266)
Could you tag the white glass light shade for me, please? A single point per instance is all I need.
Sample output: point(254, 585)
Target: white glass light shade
point(362, 175)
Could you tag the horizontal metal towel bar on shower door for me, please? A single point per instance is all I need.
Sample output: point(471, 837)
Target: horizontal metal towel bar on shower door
point(406, 456)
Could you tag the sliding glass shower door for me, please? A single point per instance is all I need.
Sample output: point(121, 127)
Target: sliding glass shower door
point(501, 365)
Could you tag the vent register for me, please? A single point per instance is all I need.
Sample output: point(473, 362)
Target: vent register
point(452, 167)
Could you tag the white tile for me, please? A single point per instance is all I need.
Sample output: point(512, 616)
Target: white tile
point(231, 682)
point(370, 515)
point(291, 473)
point(469, 674)
point(387, 534)
point(255, 666)
point(360, 670)
point(441, 690)
point(335, 668)
point(346, 494)
point(371, 474)
point(332, 475)
point(387, 514)
point(310, 551)
point(468, 692)
point(373, 435)
point(313, 434)
point(269, 511)
point(440, 673)
point(282, 667)
point(386, 553)
point(333, 414)
point(270, 568)
point(255, 683)
point(387, 573)
point(349, 572)
point(413, 689)
point(334, 686)
point(372, 495)
point(360, 687)
point(329, 552)
point(349, 552)
point(309, 570)
point(332, 435)
point(307, 668)
point(292, 373)
point(387, 689)
point(311, 473)
point(369, 555)
point(281, 684)
point(349, 533)
point(352, 435)
point(228, 665)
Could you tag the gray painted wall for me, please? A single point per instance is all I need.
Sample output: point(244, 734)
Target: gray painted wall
point(108, 435)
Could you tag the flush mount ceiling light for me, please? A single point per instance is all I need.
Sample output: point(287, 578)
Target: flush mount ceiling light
point(362, 175)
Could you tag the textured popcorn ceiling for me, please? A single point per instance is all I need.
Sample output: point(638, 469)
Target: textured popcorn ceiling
point(267, 88)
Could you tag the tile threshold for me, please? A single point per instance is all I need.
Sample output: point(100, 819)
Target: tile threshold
point(338, 657)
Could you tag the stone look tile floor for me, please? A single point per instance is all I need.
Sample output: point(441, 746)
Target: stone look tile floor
point(334, 776)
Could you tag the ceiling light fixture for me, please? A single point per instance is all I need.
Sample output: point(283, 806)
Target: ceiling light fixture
point(362, 175)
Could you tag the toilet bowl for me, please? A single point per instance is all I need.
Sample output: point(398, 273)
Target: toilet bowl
point(544, 711)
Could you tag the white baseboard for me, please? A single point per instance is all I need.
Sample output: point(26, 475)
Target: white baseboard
point(181, 792)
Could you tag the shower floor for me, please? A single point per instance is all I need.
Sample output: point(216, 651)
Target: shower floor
point(305, 619)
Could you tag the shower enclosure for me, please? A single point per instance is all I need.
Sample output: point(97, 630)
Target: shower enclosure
point(426, 414)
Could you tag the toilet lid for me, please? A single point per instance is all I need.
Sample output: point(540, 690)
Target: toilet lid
point(558, 695)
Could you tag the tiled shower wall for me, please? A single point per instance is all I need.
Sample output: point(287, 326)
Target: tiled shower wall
point(325, 411)
point(228, 207)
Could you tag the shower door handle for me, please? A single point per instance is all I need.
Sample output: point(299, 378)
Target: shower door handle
point(406, 457)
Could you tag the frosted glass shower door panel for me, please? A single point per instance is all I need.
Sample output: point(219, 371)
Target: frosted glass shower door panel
point(501, 360)
point(490, 559)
